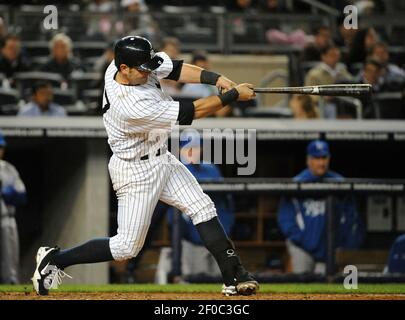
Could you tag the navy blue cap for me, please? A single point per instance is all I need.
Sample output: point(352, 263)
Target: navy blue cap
point(2, 140)
point(318, 149)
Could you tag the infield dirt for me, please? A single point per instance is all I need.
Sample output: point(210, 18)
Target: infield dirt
point(191, 296)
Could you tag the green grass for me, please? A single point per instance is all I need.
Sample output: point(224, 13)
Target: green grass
point(177, 288)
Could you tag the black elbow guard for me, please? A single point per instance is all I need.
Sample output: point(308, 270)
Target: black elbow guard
point(175, 74)
point(186, 113)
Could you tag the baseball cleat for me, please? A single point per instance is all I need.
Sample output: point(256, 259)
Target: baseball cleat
point(246, 285)
point(46, 276)
point(229, 290)
point(247, 288)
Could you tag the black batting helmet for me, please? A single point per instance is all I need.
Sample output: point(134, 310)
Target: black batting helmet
point(136, 52)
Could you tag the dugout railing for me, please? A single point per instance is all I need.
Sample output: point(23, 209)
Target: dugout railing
point(330, 189)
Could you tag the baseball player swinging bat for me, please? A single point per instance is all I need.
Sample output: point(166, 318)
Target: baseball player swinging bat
point(143, 170)
point(352, 90)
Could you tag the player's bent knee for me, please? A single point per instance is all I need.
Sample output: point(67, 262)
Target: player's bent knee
point(204, 212)
point(125, 250)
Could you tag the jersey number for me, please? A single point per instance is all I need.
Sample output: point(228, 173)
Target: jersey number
point(107, 105)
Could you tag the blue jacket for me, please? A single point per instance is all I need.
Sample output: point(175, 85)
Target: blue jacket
point(396, 259)
point(223, 203)
point(303, 220)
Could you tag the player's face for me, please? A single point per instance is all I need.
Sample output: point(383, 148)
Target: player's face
point(134, 76)
point(318, 166)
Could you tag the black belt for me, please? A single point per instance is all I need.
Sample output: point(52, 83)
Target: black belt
point(146, 156)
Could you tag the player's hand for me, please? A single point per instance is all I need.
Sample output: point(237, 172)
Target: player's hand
point(224, 84)
point(245, 91)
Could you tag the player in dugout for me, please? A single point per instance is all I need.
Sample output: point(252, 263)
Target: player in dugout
point(303, 220)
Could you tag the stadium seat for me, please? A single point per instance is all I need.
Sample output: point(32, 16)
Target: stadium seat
point(38, 61)
point(36, 48)
point(9, 99)
point(64, 97)
point(26, 79)
point(92, 98)
point(355, 68)
point(268, 112)
point(85, 49)
point(85, 80)
point(89, 62)
point(389, 105)
point(348, 108)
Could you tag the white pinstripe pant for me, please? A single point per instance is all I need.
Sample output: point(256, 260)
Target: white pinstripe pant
point(139, 185)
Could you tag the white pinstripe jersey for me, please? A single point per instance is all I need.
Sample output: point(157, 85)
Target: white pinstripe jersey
point(132, 112)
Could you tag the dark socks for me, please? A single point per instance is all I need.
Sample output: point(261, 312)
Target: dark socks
point(96, 250)
point(221, 247)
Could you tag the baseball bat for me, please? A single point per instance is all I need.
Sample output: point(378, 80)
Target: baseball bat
point(323, 90)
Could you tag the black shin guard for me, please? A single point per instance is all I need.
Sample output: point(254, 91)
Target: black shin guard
point(221, 247)
point(96, 250)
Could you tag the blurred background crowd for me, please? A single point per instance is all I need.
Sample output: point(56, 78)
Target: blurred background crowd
point(59, 72)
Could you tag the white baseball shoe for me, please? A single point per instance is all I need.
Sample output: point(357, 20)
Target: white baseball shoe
point(46, 276)
point(229, 290)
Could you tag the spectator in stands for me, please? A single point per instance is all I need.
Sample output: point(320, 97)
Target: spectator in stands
point(11, 58)
point(328, 71)
point(273, 6)
point(100, 24)
point(200, 90)
point(13, 194)
point(322, 39)
point(61, 60)
point(396, 258)
point(241, 6)
point(3, 30)
point(241, 26)
point(393, 75)
point(368, 8)
point(137, 20)
point(363, 42)
point(41, 102)
point(345, 36)
point(196, 260)
point(303, 220)
point(372, 73)
point(171, 46)
point(303, 107)
point(100, 6)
